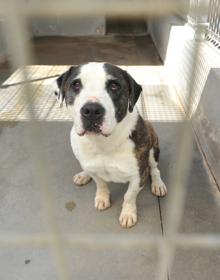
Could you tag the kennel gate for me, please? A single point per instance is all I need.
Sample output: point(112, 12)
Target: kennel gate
point(16, 23)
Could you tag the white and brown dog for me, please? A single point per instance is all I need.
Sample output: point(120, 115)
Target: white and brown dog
point(109, 138)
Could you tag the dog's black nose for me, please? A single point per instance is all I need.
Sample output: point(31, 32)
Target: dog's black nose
point(92, 111)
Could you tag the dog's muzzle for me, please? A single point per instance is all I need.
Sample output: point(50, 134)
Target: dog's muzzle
point(92, 115)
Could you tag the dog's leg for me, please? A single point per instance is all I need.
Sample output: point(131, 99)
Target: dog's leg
point(128, 216)
point(158, 187)
point(81, 178)
point(102, 198)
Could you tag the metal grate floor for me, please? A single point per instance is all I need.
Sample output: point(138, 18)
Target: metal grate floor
point(158, 102)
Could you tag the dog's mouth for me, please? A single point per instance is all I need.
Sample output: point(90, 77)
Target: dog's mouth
point(92, 130)
point(92, 133)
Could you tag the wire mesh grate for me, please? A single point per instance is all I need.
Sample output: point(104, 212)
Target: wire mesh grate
point(213, 32)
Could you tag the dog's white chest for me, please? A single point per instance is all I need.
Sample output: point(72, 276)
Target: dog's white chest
point(116, 165)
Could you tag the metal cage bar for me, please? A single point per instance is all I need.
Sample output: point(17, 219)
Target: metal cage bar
point(110, 7)
point(213, 32)
point(17, 37)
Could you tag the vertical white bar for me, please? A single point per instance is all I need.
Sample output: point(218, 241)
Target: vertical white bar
point(178, 179)
point(18, 44)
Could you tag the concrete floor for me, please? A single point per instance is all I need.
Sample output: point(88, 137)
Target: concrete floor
point(23, 212)
point(23, 205)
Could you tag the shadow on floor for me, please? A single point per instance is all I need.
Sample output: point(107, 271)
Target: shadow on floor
point(120, 50)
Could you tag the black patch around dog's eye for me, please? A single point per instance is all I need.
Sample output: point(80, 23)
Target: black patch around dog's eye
point(77, 85)
point(70, 99)
point(113, 86)
point(66, 93)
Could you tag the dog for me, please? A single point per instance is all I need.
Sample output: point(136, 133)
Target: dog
point(109, 138)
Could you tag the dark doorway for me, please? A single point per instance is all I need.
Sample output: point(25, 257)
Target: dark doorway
point(126, 26)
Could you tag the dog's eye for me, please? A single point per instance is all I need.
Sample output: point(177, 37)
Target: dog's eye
point(77, 85)
point(114, 86)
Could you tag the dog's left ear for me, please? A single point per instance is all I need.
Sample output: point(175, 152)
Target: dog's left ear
point(134, 92)
point(61, 83)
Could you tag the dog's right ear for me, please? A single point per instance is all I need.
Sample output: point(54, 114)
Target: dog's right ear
point(61, 86)
point(57, 90)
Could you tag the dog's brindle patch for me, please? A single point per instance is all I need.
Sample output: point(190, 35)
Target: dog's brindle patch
point(144, 138)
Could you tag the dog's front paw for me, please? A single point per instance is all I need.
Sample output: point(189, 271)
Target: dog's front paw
point(81, 178)
point(159, 188)
point(128, 217)
point(102, 202)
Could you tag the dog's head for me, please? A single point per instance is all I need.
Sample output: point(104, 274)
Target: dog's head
point(98, 95)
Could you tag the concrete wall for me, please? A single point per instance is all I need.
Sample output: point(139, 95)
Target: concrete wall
point(68, 26)
point(175, 41)
point(206, 122)
point(160, 28)
point(58, 27)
